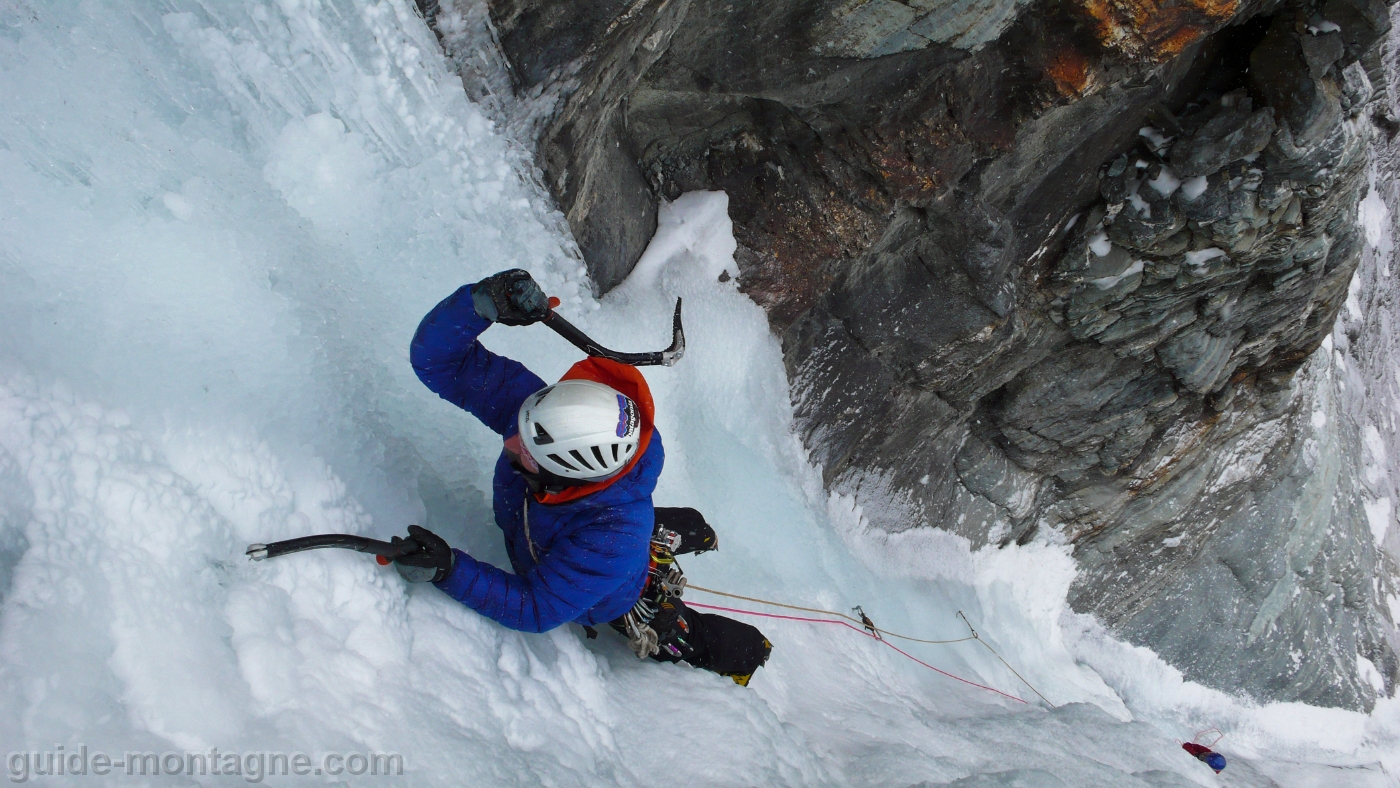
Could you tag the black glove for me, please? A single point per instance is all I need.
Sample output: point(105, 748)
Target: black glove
point(511, 298)
point(431, 561)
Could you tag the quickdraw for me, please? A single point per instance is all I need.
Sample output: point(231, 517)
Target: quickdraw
point(867, 623)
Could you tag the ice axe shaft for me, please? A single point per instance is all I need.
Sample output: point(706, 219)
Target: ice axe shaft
point(362, 544)
point(582, 341)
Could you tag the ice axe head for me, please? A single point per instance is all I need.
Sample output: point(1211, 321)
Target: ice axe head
point(582, 341)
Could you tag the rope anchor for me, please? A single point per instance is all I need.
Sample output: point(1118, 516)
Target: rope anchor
point(867, 623)
point(969, 626)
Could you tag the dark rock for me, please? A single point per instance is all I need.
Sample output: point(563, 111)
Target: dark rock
point(901, 178)
point(593, 60)
point(1139, 334)
point(1146, 220)
point(1199, 359)
point(1094, 258)
point(1232, 134)
point(1321, 52)
point(1280, 75)
point(986, 471)
point(1363, 24)
point(1061, 412)
point(1209, 206)
point(1273, 193)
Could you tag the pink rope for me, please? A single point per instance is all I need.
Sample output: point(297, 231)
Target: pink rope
point(858, 631)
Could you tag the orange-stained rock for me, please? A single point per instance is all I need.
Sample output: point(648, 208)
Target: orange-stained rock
point(1156, 29)
point(1069, 70)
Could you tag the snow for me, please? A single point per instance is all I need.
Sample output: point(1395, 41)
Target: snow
point(1353, 302)
point(1166, 182)
point(1108, 282)
point(217, 235)
point(1194, 187)
point(1370, 674)
point(1376, 455)
point(1374, 217)
point(1156, 140)
point(1379, 513)
point(1202, 256)
point(1099, 244)
point(1379, 507)
point(1139, 204)
point(693, 232)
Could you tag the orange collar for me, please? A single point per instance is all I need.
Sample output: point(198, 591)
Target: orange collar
point(627, 380)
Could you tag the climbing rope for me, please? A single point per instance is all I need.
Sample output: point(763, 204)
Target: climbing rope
point(852, 619)
point(1219, 734)
point(868, 628)
point(858, 630)
point(979, 639)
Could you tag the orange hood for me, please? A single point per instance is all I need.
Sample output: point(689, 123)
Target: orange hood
point(630, 383)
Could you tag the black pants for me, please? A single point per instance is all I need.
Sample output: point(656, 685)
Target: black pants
point(704, 640)
point(727, 647)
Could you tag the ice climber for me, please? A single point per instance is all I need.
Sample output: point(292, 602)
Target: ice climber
point(1206, 755)
point(571, 494)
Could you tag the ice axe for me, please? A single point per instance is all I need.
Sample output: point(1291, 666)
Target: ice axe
point(582, 341)
point(386, 552)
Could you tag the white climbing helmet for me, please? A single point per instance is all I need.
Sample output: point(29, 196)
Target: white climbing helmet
point(580, 429)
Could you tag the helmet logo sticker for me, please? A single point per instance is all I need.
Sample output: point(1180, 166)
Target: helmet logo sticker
point(626, 416)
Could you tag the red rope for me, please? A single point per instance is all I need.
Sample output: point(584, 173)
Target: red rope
point(858, 631)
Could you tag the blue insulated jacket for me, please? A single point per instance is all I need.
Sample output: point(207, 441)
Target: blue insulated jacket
point(593, 551)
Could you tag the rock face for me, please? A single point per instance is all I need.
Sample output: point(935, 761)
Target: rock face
point(1056, 273)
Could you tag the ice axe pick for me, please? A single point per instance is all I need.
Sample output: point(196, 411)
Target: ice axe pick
point(582, 341)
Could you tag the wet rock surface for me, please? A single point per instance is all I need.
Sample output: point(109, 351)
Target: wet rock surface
point(1059, 274)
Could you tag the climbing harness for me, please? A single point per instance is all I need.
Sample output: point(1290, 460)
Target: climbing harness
point(665, 581)
point(869, 629)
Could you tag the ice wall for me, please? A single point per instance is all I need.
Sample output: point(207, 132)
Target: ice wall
point(219, 226)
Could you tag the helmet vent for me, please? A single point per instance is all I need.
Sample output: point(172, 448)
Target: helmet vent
point(614, 452)
point(542, 435)
point(562, 461)
point(598, 454)
point(581, 461)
